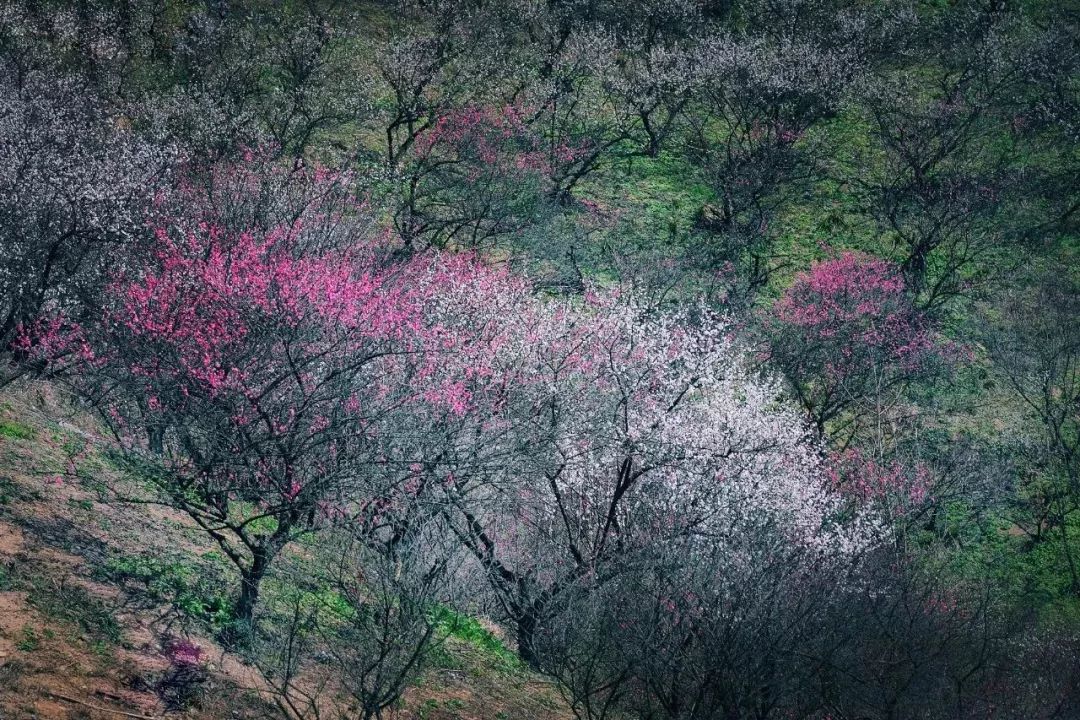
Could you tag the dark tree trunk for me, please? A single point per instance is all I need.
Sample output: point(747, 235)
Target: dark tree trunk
point(156, 438)
point(526, 638)
point(244, 609)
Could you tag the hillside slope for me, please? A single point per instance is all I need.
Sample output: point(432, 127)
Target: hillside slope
point(101, 602)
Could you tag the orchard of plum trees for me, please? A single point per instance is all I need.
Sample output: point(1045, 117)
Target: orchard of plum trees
point(725, 352)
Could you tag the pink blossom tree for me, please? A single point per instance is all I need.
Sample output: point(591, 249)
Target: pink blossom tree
point(889, 485)
point(249, 359)
point(846, 334)
point(267, 363)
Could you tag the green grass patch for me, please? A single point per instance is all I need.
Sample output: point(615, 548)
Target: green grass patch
point(15, 430)
point(28, 640)
point(193, 590)
point(83, 504)
point(281, 595)
point(464, 628)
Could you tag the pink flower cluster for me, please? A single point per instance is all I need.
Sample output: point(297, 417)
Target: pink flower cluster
point(850, 313)
point(53, 338)
point(210, 295)
point(865, 480)
point(184, 652)
point(497, 139)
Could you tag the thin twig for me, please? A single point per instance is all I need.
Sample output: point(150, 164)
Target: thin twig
point(65, 698)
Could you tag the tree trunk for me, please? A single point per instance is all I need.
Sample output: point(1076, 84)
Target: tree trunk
point(1074, 585)
point(526, 638)
point(156, 438)
point(244, 609)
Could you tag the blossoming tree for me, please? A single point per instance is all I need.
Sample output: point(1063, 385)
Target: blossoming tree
point(73, 188)
point(266, 363)
point(846, 334)
point(617, 428)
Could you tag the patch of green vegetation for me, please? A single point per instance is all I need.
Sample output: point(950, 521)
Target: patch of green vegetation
point(193, 590)
point(95, 485)
point(72, 603)
point(28, 640)
point(73, 445)
point(1029, 572)
point(281, 595)
point(259, 524)
point(658, 198)
point(86, 463)
point(84, 504)
point(15, 430)
point(142, 471)
point(467, 629)
point(426, 708)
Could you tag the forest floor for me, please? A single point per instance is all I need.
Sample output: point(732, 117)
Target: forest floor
point(93, 592)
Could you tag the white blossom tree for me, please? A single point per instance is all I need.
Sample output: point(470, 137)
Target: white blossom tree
point(74, 185)
point(596, 433)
